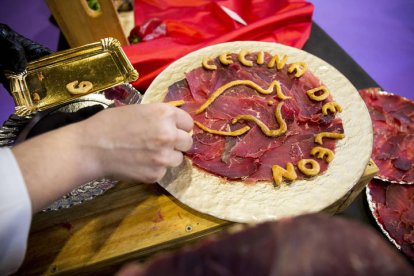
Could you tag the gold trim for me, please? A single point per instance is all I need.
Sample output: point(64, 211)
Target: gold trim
point(110, 44)
point(43, 84)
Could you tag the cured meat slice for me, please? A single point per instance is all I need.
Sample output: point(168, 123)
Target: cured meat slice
point(293, 149)
point(393, 122)
point(235, 168)
point(250, 156)
point(206, 147)
point(229, 106)
point(394, 210)
point(319, 245)
point(305, 107)
point(179, 90)
point(254, 144)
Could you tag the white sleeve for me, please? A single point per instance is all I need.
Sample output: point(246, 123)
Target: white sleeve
point(15, 213)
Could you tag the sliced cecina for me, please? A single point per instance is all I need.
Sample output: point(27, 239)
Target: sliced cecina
point(266, 131)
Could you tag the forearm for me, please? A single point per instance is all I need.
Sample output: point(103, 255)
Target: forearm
point(55, 163)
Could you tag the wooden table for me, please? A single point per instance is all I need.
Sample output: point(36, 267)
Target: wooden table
point(129, 222)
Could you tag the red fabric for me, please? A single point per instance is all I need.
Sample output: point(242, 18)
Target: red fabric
point(193, 24)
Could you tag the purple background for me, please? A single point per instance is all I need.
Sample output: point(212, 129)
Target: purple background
point(377, 34)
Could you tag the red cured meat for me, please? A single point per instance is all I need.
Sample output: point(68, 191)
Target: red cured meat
point(250, 156)
point(292, 150)
point(394, 209)
point(253, 144)
point(236, 168)
point(397, 198)
point(206, 147)
point(179, 90)
point(393, 122)
point(402, 163)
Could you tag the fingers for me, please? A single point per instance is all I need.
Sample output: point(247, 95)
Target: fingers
point(184, 141)
point(184, 124)
point(183, 120)
point(156, 169)
point(175, 159)
point(142, 151)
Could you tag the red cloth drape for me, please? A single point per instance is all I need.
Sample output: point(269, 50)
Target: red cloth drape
point(187, 25)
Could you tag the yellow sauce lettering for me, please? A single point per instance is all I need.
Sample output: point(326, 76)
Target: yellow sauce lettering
point(321, 152)
point(208, 66)
point(225, 133)
point(280, 63)
point(249, 83)
point(314, 167)
point(176, 103)
point(243, 60)
point(266, 131)
point(332, 107)
point(76, 87)
point(260, 58)
point(312, 93)
point(225, 58)
point(299, 68)
point(331, 135)
point(279, 173)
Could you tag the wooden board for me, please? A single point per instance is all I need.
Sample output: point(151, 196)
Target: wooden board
point(81, 25)
point(130, 222)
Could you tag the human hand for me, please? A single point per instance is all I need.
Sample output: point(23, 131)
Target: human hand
point(137, 142)
point(16, 51)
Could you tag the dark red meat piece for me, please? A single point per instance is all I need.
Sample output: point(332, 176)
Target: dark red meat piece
point(179, 90)
point(402, 164)
point(116, 93)
point(251, 156)
point(235, 168)
point(393, 122)
point(254, 144)
point(394, 209)
point(206, 147)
